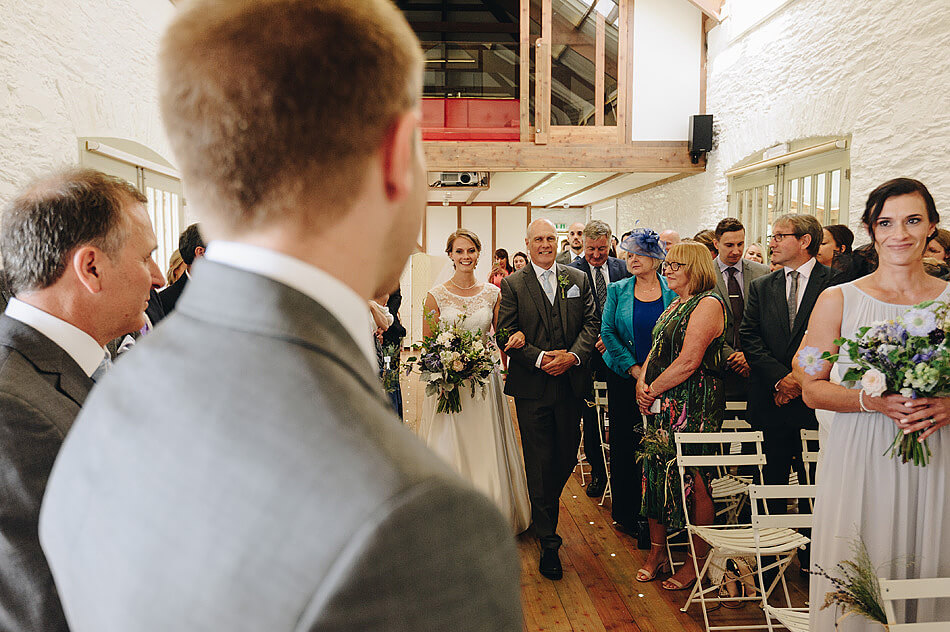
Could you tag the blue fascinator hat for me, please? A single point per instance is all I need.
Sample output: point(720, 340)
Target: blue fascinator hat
point(644, 242)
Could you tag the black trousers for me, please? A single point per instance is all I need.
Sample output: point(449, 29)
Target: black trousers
point(550, 435)
point(591, 435)
point(626, 431)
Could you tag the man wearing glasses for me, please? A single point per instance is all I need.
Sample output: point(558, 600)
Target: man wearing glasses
point(774, 321)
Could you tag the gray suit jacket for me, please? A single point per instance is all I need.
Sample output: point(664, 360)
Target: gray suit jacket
point(41, 390)
point(566, 257)
point(751, 271)
point(523, 308)
point(241, 469)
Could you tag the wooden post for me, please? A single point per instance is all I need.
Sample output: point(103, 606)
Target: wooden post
point(599, 70)
point(624, 70)
point(524, 67)
point(542, 66)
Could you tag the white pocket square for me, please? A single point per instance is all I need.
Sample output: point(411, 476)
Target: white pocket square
point(574, 292)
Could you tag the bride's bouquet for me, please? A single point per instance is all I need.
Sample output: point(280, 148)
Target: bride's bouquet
point(449, 359)
point(908, 355)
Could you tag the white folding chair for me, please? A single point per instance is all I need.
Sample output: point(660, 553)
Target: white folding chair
point(725, 540)
point(900, 589)
point(809, 438)
point(603, 425)
point(775, 536)
point(728, 489)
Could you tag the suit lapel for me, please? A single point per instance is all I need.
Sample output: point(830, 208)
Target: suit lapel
point(723, 290)
point(746, 278)
point(562, 301)
point(537, 294)
point(816, 283)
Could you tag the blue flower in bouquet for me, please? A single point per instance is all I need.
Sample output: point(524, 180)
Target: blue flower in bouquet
point(924, 356)
point(810, 360)
point(920, 321)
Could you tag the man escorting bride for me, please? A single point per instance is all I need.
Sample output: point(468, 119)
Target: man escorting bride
point(479, 441)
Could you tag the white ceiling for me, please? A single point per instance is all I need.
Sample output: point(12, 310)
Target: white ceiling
point(560, 188)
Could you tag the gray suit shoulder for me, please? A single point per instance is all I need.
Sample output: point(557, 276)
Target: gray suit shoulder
point(757, 269)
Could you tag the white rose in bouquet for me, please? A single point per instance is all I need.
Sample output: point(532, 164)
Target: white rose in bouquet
point(874, 383)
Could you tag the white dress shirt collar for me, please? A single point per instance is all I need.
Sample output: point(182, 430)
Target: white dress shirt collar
point(74, 341)
point(538, 270)
point(725, 277)
point(331, 293)
point(803, 270)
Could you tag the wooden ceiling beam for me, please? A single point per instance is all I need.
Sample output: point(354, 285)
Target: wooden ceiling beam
point(638, 156)
point(711, 8)
point(534, 186)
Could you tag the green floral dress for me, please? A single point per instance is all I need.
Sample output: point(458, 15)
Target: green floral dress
point(695, 405)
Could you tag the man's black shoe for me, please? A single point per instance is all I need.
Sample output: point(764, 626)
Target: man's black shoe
point(550, 565)
point(596, 487)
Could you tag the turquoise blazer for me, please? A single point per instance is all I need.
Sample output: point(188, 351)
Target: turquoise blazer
point(616, 326)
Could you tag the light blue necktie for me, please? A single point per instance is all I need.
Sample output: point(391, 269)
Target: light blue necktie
point(546, 285)
point(102, 369)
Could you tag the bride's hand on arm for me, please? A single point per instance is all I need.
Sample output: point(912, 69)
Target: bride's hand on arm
point(515, 341)
point(429, 307)
point(924, 410)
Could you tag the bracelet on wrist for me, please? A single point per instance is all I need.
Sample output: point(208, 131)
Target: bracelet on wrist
point(861, 402)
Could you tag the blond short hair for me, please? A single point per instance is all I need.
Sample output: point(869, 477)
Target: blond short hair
point(699, 265)
point(269, 104)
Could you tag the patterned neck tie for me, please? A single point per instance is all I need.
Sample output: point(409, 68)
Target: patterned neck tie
point(601, 286)
point(546, 284)
point(792, 298)
point(102, 369)
point(736, 302)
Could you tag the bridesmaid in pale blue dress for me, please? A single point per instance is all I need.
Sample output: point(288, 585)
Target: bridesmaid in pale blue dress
point(900, 510)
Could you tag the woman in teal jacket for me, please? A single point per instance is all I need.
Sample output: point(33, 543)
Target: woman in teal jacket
point(632, 308)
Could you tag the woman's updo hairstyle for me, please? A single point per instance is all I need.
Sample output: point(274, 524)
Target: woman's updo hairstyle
point(467, 234)
point(893, 188)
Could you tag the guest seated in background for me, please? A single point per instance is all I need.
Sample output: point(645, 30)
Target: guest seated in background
point(176, 268)
point(519, 260)
point(633, 306)
point(682, 376)
point(835, 249)
point(77, 247)
point(190, 246)
point(754, 253)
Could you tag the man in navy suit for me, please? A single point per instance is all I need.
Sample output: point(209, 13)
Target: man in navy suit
point(191, 246)
point(600, 269)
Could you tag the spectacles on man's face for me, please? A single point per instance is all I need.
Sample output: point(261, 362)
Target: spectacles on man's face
point(778, 237)
point(673, 266)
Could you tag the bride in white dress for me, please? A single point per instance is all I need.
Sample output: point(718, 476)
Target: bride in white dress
point(479, 442)
point(900, 510)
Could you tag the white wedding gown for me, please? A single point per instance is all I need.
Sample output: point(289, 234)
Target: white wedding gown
point(479, 442)
point(902, 511)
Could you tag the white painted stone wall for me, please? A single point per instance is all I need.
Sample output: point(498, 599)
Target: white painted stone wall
point(876, 69)
point(72, 68)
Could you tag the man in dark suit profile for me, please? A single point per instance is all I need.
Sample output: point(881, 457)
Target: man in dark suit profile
point(77, 253)
point(601, 269)
point(191, 246)
point(575, 245)
point(552, 305)
point(272, 491)
point(774, 321)
point(736, 274)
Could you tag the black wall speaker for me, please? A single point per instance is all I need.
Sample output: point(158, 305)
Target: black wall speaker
point(700, 135)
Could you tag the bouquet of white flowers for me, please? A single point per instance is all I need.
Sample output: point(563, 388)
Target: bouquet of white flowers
point(452, 357)
point(908, 355)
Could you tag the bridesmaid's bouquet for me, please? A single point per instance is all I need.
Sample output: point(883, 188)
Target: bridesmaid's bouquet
point(451, 358)
point(908, 355)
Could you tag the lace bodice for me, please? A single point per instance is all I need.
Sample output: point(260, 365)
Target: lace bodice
point(478, 309)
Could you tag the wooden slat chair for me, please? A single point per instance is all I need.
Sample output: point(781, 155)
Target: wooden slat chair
point(725, 540)
point(900, 589)
point(775, 537)
point(603, 427)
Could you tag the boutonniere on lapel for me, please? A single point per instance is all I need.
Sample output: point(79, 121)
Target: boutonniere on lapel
point(564, 282)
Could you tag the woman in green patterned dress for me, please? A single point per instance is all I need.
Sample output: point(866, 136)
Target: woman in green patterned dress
point(682, 374)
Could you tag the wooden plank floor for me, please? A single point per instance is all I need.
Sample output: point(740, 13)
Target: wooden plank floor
point(599, 591)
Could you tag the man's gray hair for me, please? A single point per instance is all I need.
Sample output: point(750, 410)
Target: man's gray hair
point(42, 227)
point(596, 229)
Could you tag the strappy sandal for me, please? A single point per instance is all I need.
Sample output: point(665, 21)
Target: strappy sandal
point(731, 588)
point(643, 575)
point(746, 576)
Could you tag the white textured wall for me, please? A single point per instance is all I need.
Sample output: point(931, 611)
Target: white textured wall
point(876, 69)
point(75, 68)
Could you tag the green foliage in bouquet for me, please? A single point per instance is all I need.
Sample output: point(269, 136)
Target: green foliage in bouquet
point(391, 372)
point(856, 587)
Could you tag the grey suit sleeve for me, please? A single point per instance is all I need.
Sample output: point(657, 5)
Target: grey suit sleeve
point(590, 330)
point(508, 321)
point(29, 443)
point(440, 558)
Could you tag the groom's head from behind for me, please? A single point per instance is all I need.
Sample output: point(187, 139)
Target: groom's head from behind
point(295, 120)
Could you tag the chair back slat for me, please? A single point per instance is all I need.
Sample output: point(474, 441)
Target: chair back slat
point(800, 520)
point(898, 589)
point(718, 437)
point(783, 491)
point(713, 460)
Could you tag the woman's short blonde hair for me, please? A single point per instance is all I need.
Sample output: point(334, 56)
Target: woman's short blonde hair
point(699, 265)
point(173, 262)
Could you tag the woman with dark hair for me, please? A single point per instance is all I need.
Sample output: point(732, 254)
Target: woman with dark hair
point(939, 247)
point(835, 249)
point(614, 242)
point(500, 267)
point(898, 509)
point(519, 260)
point(707, 238)
point(631, 310)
